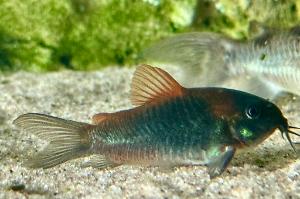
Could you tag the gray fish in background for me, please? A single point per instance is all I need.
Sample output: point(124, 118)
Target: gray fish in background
point(265, 65)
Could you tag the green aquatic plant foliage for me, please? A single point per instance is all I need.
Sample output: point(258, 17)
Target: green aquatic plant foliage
point(82, 34)
point(234, 17)
point(31, 25)
point(91, 34)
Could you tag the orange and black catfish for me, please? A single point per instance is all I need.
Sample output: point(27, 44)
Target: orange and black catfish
point(170, 126)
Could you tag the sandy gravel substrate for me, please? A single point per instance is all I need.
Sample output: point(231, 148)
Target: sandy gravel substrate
point(268, 171)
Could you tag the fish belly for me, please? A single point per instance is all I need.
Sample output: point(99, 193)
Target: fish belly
point(155, 156)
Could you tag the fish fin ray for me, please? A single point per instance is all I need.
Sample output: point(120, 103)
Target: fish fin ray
point(53, 155)
point(98, 161)
point(200, 57)
point(67, 139)
point(218, 165)
point(151, 83)
point(166, 168)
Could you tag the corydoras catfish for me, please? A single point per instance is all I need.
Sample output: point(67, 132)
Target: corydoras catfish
point(265, 65)
point(170, 126)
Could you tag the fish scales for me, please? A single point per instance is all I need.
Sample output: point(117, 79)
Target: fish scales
point(170, 126)
point(275, 61)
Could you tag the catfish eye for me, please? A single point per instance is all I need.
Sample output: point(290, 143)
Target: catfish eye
point(252, 112)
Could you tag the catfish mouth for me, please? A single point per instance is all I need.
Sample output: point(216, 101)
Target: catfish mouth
point(285, 131)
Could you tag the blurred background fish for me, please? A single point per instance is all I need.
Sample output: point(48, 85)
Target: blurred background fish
point(264, 65)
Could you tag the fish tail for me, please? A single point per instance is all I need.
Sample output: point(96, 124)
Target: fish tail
point(200, 56)
point(67, 139)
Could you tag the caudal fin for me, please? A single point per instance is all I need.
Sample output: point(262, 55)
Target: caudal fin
point(67, 139)
point(200, 56)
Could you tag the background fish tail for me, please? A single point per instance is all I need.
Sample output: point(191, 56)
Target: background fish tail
point(67, 139)
point(201, 57)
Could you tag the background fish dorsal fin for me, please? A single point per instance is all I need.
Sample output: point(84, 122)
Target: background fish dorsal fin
point(151, 83)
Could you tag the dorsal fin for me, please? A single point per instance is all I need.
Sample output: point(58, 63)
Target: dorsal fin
point(151, 83)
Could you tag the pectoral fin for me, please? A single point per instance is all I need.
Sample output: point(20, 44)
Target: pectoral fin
point(217, 166)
